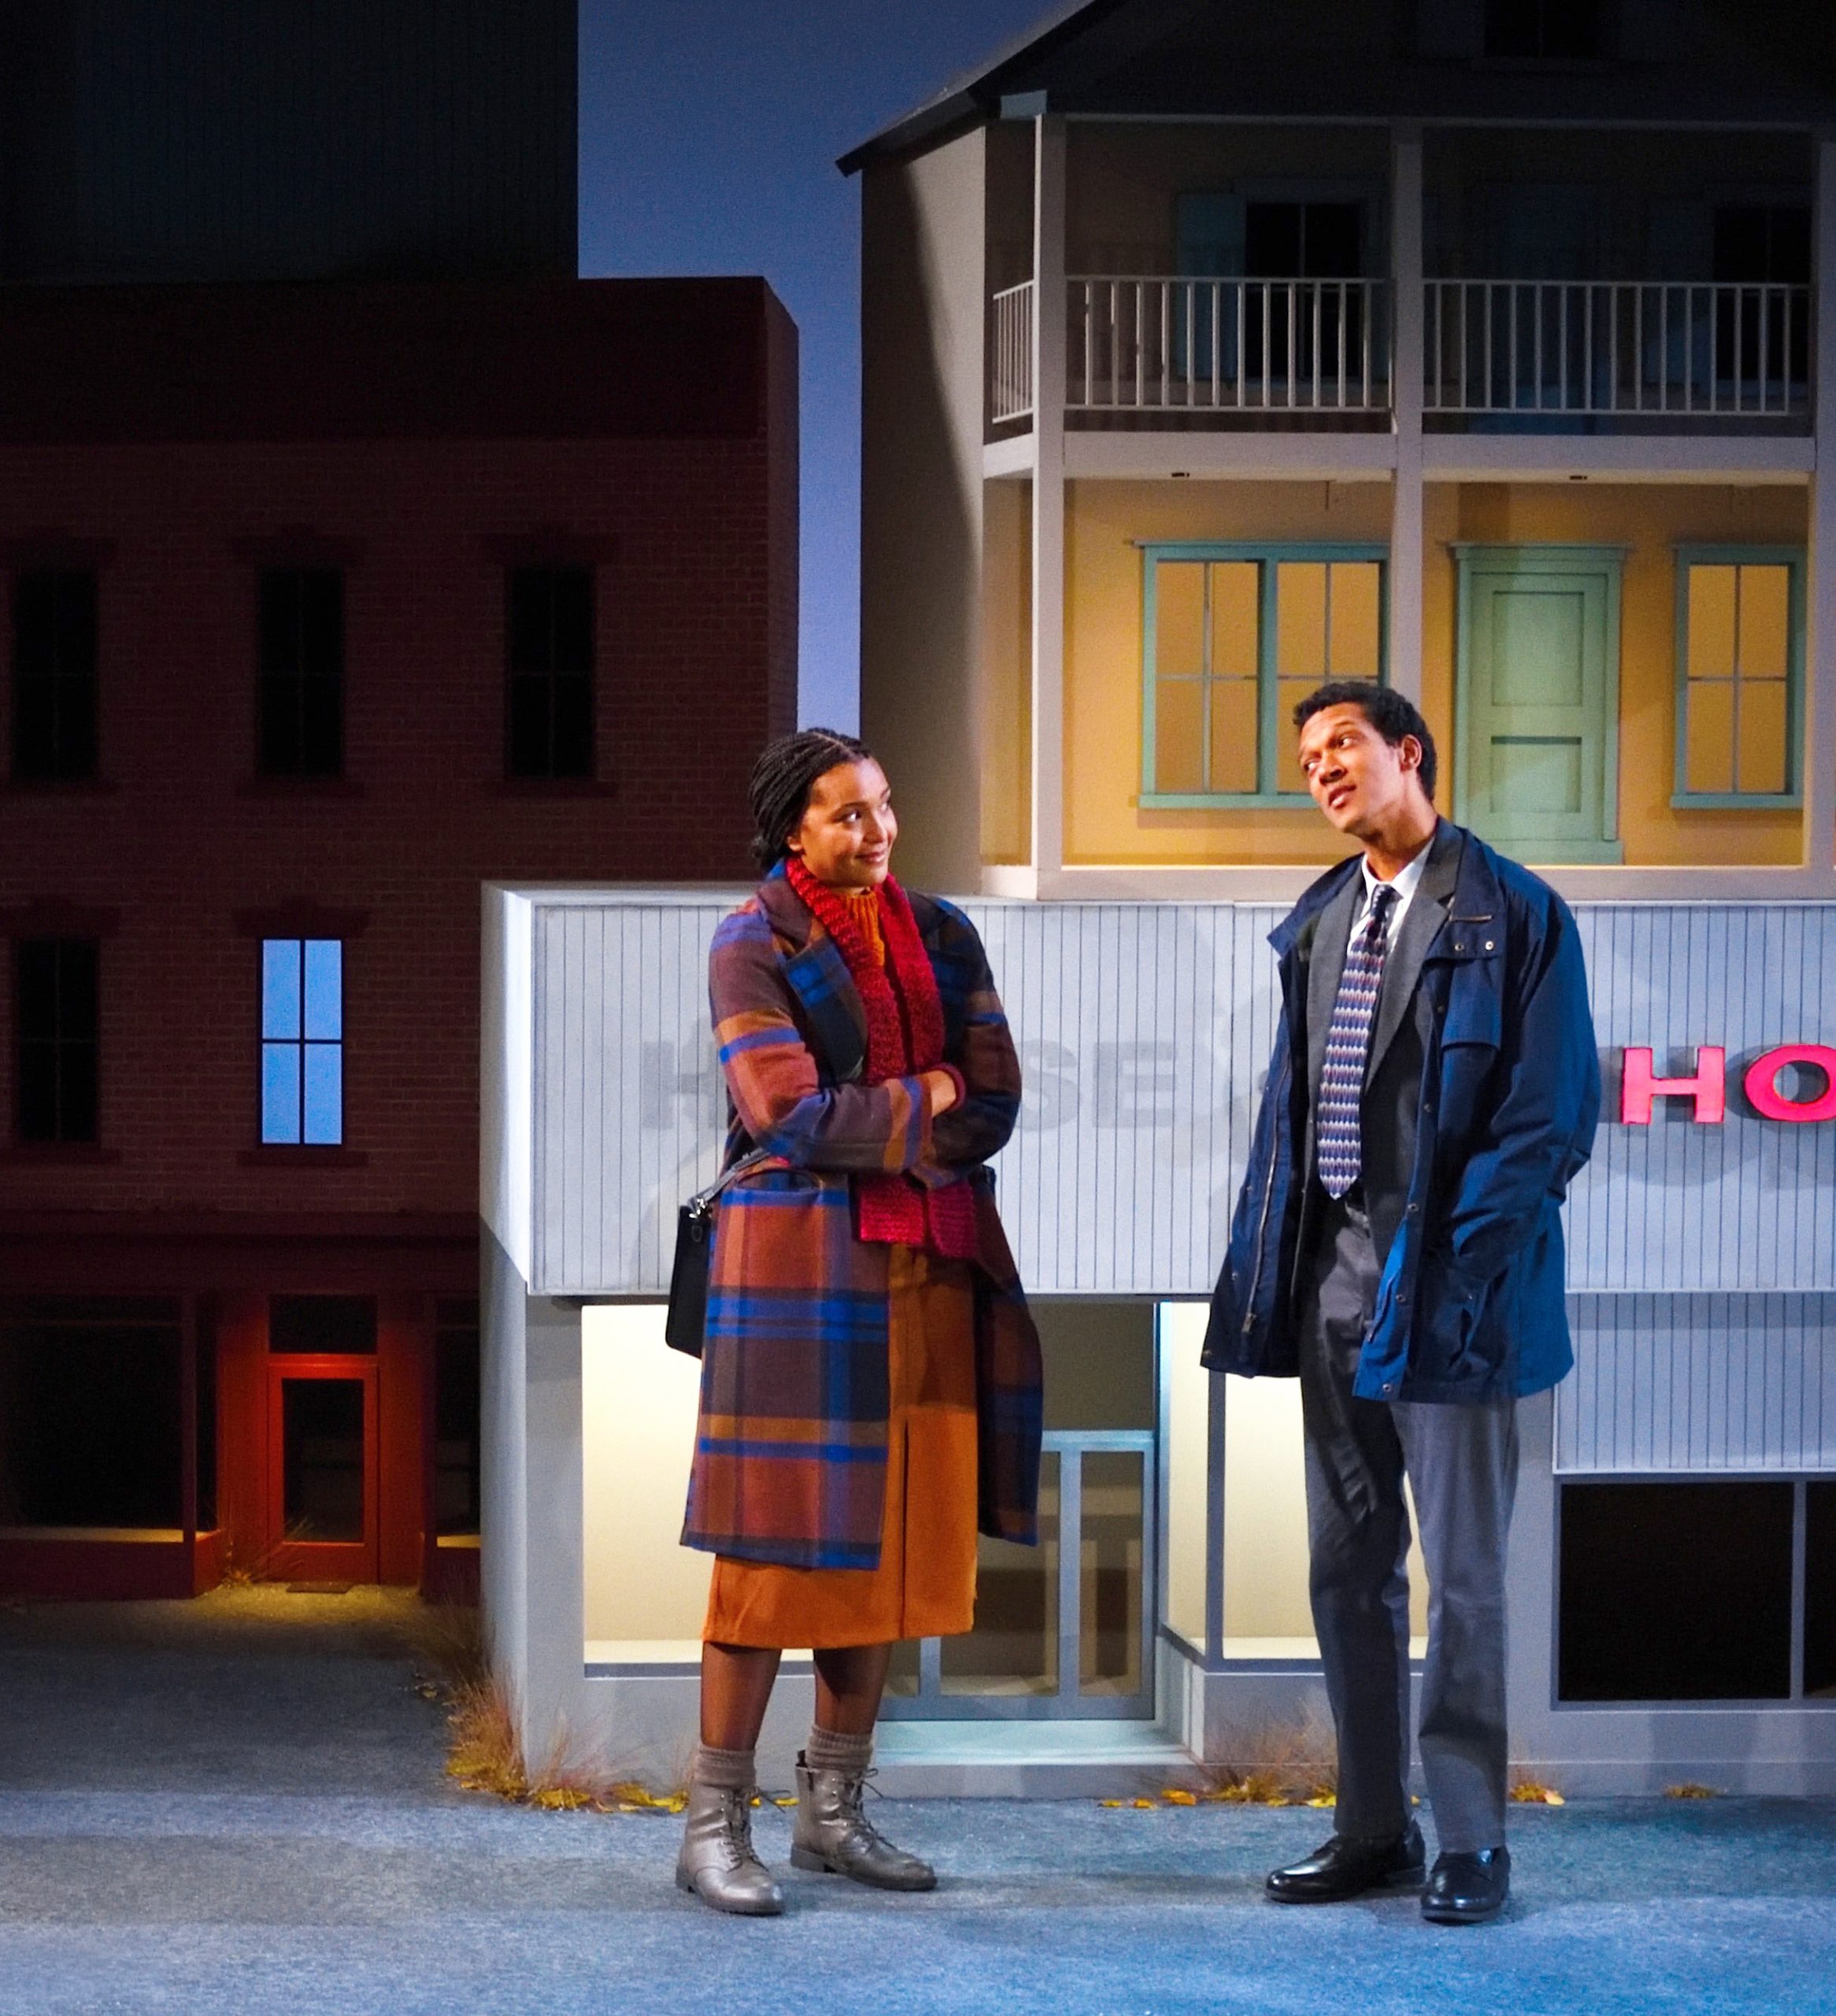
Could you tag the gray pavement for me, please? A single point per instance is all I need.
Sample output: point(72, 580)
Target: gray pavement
point(239, 1805)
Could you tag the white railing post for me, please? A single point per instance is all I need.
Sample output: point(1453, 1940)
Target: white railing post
point(1819, 755)
point(1408, 385)
point(1051, 308)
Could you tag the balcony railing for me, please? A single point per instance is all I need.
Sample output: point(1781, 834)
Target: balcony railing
point(1011, 349)
point(1694, 350)
point(1570, 350)
point(1228, 346)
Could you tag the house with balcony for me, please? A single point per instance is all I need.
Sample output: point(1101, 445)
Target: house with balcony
point(1474, 345)
point(1482, 347)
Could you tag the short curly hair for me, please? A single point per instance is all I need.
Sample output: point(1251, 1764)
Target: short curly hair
point(1386, 710)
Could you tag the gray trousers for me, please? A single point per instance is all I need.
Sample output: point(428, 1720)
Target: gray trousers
point(1461, 1465)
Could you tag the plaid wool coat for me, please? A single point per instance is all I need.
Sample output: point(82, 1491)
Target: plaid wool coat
point(791, 1448)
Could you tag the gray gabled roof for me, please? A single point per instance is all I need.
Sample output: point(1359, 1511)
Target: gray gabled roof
point(975, 93)
point(1754, 63)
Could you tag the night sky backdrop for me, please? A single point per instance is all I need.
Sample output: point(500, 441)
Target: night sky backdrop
point(709, 131)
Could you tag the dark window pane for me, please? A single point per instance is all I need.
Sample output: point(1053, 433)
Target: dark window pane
point(573, 729)
point(280, 725)
point(279, 597)
point(1820, 1589)
point(456, 1419)
point(37, 1011)
point(322, 1323)
point(573, 620)
point(75, 755)
point(1271, 240)
point(91, 1411)
point(1332, 249)
point(34, 624)
point(1675, 1592)
point(529, 728)
point(549, 648)
point(76, 1093)
point(1552, 29)
point(302, 697)
point(322, 1458)
point(54, 675)
point(322, 622)
point(530, 601)
point(34, 729)
point(37, 1103)
point(206, 1416)
point(321, 728)
point(57, 1047)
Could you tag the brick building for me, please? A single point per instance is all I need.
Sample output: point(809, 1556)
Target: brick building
point(321, 604)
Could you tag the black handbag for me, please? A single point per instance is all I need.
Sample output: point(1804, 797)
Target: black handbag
point(687, 1320)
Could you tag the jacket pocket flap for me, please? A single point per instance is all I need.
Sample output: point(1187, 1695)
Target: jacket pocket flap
point(1474, 1011)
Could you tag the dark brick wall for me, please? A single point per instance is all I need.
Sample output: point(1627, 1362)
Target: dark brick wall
point(694, 543)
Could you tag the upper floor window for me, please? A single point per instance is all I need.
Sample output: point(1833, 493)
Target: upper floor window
point(1551, 31)
point(302, 676)
point(56, 1038)
point(54, 675)
point(1234, 635)
point(549, 701)
point(1740, 673)
point(303, 1041)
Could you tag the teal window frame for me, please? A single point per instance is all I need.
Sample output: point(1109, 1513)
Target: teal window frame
point(1791, 799)
point(1269, 727)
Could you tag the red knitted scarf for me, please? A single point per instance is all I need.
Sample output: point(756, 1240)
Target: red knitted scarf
point(905, 1037)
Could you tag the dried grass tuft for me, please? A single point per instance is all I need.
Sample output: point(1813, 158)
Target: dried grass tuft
point(484, 1755)
point(1276, 1763)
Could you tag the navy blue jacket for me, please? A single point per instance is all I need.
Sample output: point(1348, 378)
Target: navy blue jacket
point(1493, 1127)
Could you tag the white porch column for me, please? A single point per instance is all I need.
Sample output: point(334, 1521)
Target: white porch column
point(1405, 397)
point(1047, 782)
point(1819, 755)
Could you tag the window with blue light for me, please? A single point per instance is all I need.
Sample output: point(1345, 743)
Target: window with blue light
point(303, 1041)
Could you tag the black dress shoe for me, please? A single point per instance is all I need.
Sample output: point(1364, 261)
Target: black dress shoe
point(1467, 1889)
point(1348, 1867)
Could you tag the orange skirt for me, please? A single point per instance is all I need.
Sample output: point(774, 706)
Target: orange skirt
point(925, 1584)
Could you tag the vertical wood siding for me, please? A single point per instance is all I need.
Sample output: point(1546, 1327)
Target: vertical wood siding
point(1702, 1258)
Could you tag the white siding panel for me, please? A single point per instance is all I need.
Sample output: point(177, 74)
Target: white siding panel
point(1746, 1205)
point(1669, 1383)
point(1144, 1032)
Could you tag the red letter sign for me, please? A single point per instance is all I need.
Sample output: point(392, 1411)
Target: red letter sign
point(1762, 1082)
point(1708, 1088)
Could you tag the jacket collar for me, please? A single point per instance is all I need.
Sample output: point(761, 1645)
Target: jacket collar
point(785, 910)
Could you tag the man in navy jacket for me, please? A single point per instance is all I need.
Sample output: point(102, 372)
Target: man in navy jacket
point(1398, 1245)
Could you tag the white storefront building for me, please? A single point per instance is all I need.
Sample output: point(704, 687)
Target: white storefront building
point(1673, 1571)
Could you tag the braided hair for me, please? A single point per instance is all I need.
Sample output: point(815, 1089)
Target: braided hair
point(782, 780)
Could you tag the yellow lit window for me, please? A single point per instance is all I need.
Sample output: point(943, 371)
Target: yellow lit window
point(1234, 637)
point(1739, 651)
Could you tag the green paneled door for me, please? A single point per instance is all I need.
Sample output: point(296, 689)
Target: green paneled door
point(1538, 700)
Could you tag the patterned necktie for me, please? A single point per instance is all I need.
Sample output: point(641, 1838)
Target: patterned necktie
point(1348, 1043)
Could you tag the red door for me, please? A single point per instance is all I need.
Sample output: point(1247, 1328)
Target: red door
point(322, 1468)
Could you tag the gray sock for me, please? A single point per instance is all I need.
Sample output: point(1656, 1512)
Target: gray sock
point(728, 1770)
point(830, 1751)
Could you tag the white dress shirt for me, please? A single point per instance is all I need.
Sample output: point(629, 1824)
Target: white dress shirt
point(1404, 883)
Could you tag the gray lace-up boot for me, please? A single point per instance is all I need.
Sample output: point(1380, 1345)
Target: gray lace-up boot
point(832, 1833)
point(718, 1862)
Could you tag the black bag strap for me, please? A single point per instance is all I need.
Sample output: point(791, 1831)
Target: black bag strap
point(703, 1203)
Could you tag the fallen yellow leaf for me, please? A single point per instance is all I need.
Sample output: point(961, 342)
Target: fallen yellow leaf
point(1175, 1797)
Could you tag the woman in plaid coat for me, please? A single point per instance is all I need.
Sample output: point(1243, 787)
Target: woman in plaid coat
point(870, 1382)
